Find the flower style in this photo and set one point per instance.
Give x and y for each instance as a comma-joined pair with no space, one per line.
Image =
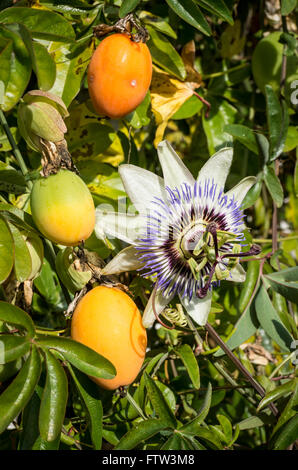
187,233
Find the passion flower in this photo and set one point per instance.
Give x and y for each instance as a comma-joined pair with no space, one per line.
187,235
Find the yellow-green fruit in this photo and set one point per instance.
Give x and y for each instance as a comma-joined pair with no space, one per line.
62,208
267,64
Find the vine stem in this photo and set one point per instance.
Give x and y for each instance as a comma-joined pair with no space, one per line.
224,72
259,389
15,148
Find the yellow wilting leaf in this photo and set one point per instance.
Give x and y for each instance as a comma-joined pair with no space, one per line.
168,94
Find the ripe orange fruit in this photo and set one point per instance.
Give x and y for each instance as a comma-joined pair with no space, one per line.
62,208
109,322
119,75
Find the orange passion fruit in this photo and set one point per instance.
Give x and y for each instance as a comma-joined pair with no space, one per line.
108,321
62,208
119,75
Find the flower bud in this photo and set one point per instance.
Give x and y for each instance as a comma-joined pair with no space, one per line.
40,116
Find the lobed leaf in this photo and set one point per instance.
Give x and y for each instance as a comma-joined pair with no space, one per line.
139,433
159,403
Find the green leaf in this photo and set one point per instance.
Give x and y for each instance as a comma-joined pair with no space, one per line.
189,360
12,347
276,393
252,195
19,68
139,433
219,8
193,427
14,315
168,395
46,283
159,403
158,23
54,399
285,283
71,63
173,443
11,181
30,422
245,327
44,67
6,251
209,436
292,139
165,55
244,135
43,24
90,140
140,117
22,257
287,6
89,393
18,393
286,435
189,108
289,411
270,321
226,427
10,369
18,217
190,12
278,122
149,368
81,356
41,444
273,185
127,6
263,146
221,113
253,422
6,47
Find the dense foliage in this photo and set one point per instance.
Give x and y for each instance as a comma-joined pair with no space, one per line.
225,74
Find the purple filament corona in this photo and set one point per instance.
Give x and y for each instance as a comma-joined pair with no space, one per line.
186,211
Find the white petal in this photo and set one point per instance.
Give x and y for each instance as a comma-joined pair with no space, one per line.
174,171
141,185
160,303
239,191
198,309
217,167
125,260
126,227
237,274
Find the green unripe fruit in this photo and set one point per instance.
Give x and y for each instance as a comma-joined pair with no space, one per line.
62,208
